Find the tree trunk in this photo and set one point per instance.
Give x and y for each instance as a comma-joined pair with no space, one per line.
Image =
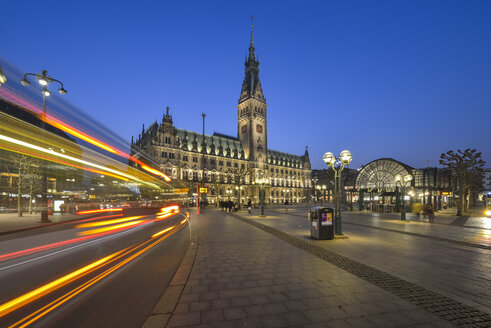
30,198
19,195
460,204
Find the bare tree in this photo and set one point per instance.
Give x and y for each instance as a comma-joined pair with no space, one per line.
29,178
216,183
466,165
239,178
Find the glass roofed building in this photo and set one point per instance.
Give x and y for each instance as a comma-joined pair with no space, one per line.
230,165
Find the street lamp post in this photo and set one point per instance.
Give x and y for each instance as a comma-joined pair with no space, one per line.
202,166
337,164
262,185
403,181
44,79
324,188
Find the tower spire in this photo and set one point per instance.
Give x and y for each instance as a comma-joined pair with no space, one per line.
252,40
251,47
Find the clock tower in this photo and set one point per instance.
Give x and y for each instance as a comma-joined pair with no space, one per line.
252,128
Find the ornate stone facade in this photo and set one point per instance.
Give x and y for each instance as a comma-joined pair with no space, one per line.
228,165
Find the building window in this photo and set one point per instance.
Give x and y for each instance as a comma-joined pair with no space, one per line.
236,164
185,175
242,166
195,175
229,164
167,140
220,163
171,155
195,159
185,158
213,162
164,154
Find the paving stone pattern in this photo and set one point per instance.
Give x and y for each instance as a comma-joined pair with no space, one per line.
459,314
453,241
245,277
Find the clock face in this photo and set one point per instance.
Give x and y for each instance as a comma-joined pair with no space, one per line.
244,128
259,128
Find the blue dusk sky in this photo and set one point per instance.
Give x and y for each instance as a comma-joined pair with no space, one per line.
401,79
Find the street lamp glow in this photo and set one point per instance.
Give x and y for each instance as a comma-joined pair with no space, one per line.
24,82
345,157
328,158
3,78
43,81
46,93
62,91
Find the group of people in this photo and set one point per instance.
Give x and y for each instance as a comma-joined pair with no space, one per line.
227,205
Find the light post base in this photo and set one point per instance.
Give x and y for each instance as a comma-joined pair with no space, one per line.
341,236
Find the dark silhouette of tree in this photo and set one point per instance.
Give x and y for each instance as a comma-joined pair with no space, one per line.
239,178
467,167
29,178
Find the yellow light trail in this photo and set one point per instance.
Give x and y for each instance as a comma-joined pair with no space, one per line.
162,232
63,299
114,227
41,291
107,222
58,154
100,211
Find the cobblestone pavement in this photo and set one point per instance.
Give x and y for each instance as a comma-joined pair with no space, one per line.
247,274
433,256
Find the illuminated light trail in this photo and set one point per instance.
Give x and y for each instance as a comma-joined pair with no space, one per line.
166,212
42,248
56,160
52,152
69,295
43,290
162,232
98,218
33,250
173,208
107,222
75,132
113,228
156,172
100,211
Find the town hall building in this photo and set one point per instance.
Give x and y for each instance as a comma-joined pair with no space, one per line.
230,167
